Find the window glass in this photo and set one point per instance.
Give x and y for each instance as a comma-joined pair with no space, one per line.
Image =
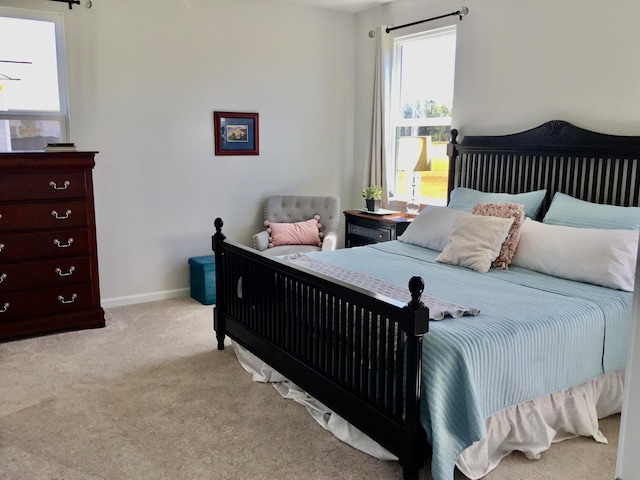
33,89
422,104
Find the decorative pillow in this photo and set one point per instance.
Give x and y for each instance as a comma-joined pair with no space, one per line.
572,212
475,241
431,227
600,256
465,198
504,210
298,233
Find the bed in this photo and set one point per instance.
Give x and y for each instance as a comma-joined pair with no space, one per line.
426,383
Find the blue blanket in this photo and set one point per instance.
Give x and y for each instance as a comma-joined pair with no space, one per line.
535,335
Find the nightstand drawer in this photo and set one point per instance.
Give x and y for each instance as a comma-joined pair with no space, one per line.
377,234
364,229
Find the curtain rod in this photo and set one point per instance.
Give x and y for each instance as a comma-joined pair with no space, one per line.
74,2
461,13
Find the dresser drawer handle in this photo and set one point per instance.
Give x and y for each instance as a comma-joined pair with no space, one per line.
55,186
71,270
5,308
62,245
63,300
58,217
2,277
1,246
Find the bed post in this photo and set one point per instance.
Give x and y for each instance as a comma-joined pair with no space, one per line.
414,452
219,324
452,153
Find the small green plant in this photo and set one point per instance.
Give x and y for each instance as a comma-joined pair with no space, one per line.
372,192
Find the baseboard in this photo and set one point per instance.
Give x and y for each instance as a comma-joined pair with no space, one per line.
144,298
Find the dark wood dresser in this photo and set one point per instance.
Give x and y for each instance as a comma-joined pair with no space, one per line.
48,255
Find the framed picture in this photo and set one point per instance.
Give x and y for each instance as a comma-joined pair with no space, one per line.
235,133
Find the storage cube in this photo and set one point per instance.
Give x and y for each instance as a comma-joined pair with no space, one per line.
203,279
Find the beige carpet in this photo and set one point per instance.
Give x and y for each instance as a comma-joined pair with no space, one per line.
149,397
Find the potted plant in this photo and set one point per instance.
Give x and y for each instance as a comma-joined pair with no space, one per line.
373,196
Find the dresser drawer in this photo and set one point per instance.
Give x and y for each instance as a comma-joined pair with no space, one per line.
30,246
40,186
377,234
48,273
45,302
43,215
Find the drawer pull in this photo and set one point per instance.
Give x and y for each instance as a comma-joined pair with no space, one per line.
5,308
55,186
63,300
62,245
2,277
58,217
1,246
71,270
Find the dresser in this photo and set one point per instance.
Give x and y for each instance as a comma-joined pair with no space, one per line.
48,255
365,228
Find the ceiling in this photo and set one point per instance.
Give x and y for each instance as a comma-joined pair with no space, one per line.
342,5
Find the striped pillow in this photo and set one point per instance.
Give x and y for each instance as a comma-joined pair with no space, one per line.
462,198
572,212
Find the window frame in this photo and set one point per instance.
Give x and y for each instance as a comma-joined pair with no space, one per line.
395,120
62,115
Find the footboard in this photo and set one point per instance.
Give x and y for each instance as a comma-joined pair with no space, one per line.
357,352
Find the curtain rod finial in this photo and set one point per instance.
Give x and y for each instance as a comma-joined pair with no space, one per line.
463,11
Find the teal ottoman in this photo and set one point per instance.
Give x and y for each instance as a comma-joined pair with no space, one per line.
203,279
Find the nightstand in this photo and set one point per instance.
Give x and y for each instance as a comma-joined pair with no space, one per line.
365,228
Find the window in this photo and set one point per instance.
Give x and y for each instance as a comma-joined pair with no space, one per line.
421,108
33,86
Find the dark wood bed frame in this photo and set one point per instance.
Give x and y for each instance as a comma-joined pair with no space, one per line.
359,352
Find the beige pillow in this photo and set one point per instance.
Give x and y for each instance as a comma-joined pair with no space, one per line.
510,244
475,241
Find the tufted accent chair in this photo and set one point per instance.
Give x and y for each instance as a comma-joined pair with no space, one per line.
298,208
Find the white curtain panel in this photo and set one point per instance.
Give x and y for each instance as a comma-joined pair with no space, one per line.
376,173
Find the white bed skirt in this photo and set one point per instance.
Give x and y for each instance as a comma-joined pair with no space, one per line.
530,427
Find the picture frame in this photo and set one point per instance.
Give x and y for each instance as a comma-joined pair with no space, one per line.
236,133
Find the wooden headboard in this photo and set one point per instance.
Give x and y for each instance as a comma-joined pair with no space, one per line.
555,156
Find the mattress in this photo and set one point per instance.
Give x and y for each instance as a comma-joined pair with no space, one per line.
535,335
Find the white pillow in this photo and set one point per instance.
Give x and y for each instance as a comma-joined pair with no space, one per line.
475,241
599,256
432,227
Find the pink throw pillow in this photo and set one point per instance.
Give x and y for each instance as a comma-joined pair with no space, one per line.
509,246
298,233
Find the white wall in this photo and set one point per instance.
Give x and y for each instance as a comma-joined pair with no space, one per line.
145,77
519,66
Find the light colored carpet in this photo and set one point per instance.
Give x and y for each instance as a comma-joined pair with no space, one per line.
149,397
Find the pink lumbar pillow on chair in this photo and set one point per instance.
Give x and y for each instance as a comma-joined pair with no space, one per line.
298,233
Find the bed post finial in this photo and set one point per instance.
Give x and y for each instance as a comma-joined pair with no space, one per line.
452,153
416,287
419,311
218,236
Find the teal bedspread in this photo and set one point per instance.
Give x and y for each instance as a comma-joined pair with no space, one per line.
535,335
